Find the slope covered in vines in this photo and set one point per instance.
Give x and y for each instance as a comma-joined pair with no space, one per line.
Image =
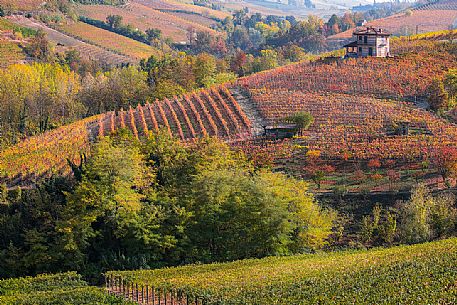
212,112
398,275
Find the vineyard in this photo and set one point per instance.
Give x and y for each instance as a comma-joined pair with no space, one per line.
212,112
176,5
86,50
398,275
64,288
23,5
10,53
421,21
363,128
46,154
439,5
405,76
108,40
144,17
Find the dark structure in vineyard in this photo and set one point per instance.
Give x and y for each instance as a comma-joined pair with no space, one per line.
369,42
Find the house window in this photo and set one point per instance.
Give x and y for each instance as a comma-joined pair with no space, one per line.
360,37
360,49
365,39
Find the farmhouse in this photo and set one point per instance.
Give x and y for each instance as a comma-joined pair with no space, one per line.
369,42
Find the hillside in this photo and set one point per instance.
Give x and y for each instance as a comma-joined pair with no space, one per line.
433,18
86,50
53,289
357,106
329,91
398,275
22,5
11,46
174,6
214,113
145,16
108,40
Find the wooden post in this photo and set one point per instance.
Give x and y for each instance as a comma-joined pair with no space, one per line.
122,286
137,292
147,294
153,295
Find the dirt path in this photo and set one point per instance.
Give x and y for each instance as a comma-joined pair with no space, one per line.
250,109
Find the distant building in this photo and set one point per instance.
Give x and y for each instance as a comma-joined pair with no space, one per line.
361,22
369,42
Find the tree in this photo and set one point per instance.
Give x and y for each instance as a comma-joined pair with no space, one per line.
205,69
425,216
114,21
302,120
40,48
154,36
268,59
437,95
450,83
445,160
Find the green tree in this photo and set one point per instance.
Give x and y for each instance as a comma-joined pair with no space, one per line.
114,21
450,83
205,69
437,95
40,48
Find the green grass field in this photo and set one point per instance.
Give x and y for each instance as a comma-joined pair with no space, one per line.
419,274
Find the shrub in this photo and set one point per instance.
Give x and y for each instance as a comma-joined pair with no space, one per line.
425,217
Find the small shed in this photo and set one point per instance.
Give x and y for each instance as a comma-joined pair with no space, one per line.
280,131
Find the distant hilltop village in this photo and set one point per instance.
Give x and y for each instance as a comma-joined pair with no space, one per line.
369,42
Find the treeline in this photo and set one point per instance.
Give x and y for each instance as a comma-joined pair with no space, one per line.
425,217
156,204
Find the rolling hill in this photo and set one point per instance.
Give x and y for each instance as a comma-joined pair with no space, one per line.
173,23
22,5
357,105
441,15
86,50
108,40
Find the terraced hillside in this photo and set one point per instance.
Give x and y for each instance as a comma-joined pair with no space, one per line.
146,15
206,113
86,50
398,275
